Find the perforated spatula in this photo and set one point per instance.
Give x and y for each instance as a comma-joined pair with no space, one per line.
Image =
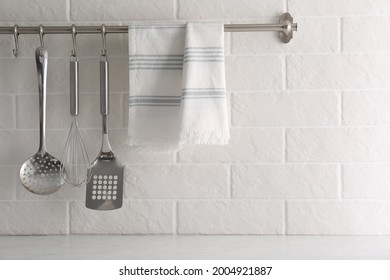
105,189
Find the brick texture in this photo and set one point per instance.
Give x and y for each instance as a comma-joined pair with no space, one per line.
226,217
310,137
338,217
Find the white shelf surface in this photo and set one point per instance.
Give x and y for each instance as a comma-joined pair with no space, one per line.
194,247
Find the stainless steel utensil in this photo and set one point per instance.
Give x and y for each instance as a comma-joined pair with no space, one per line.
41,173
105,189
76,170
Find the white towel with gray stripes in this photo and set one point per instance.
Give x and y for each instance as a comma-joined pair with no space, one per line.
177,91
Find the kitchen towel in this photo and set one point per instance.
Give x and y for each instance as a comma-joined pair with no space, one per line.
177,90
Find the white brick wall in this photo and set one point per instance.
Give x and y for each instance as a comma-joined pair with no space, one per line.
177,181
371,38
310,145
121,10
254,73
205,9
230,217
135,217
346,71
339,7
370,181
288,108
33,217
338,217
338,144
284,181
366,108
246,145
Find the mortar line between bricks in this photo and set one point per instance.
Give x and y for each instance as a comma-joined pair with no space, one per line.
259,91
250,163
227,54
346,53
285,217
284,146
263,91
230,182
338,16
374,200
176,6
63,57
341,35
69,217
235,127
341,106
176,159
176,218
17,125
284,73
68,4
262,199
340,181
229,49
15,113
327,126
285,151
230,109
275,163
56,93
16,169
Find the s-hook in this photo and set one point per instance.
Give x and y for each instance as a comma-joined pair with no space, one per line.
103,31
16,35
74,50
41,33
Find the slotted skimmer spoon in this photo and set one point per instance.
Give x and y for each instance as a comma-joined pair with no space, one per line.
41,173
105,188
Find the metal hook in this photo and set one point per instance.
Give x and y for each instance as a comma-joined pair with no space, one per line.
104,49
41,33
74,50
16,35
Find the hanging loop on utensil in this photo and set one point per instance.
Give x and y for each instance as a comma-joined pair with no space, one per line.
103,31
16,38
74,50
41,34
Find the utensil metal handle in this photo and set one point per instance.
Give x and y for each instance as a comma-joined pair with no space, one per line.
105,151
104,103
74,86
41,59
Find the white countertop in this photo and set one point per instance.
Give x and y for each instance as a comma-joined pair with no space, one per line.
194,247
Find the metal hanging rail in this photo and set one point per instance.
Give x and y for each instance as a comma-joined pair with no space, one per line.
285,27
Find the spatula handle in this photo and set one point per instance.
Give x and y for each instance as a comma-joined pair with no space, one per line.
104,102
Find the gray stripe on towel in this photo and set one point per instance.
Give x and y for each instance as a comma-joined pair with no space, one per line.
203,60
155,102
204,48
156,68
157,55
157,64
204,89
162,105
154,96
156,59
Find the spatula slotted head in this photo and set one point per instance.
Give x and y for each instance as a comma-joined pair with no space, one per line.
105,189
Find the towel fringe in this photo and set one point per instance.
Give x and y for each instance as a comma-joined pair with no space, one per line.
205,137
